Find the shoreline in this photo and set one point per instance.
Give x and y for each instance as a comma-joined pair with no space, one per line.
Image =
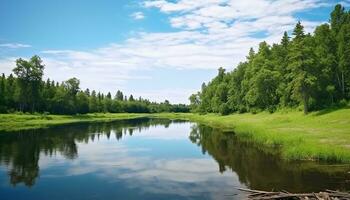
22,122
319,136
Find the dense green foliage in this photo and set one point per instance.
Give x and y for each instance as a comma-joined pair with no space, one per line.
312,71
27,92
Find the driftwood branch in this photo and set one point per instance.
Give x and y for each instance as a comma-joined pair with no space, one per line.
327,195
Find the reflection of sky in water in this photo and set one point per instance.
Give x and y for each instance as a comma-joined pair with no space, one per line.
156,163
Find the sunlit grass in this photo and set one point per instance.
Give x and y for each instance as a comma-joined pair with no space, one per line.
15,122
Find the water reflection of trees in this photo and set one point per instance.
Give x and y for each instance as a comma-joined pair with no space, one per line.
20,151
261,170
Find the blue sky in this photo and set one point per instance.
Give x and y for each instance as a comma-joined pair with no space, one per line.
159,49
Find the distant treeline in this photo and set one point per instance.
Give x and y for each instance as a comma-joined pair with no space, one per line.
311,71
27,92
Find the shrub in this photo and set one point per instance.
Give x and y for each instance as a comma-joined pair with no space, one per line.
271,109
242,109
45,115
343,103
224,110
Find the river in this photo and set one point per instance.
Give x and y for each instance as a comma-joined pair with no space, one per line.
149,159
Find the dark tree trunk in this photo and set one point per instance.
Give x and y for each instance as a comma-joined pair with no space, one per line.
343,84
338,80
33,108
332,99
305,102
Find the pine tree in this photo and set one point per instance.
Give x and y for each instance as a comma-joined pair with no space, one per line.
302,63
3,107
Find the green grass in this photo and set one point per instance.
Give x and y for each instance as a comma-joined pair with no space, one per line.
16,122
323,135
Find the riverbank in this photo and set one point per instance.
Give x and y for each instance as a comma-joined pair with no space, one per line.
17,122
323,135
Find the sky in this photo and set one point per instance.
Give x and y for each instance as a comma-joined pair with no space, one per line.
157,49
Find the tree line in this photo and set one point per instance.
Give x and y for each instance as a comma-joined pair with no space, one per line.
310,71
25,91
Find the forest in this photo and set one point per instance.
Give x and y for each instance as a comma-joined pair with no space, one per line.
306,71
27,92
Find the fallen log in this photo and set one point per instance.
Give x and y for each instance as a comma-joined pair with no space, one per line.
283,195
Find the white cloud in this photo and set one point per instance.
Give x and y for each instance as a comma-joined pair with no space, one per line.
345,3
14,45
6,65
138,15
182,5
208,34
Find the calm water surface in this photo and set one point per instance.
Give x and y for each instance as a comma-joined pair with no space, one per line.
148,159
